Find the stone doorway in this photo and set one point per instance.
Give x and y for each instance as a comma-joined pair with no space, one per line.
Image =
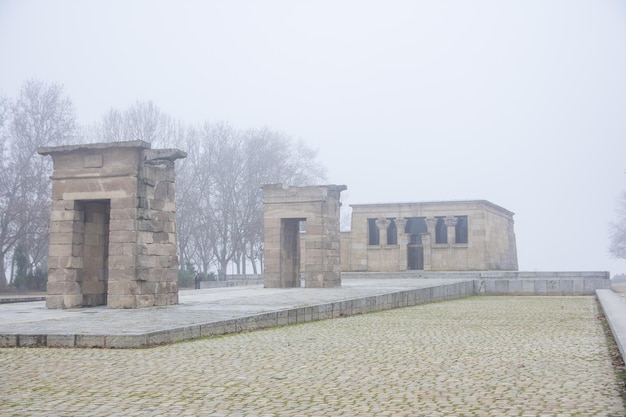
290,252
93,233
415,257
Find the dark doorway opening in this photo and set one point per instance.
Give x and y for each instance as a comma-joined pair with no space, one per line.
415,257
415,228
290,251
91,242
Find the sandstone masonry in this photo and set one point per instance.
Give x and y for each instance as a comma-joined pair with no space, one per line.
430,236
112,226
286,209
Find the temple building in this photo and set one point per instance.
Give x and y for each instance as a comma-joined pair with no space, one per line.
431,236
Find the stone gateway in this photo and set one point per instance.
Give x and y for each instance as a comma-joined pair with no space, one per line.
112,226
288,212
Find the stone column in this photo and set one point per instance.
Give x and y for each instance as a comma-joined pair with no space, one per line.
451,222
382,224
401,228
427,240
431,224
403,241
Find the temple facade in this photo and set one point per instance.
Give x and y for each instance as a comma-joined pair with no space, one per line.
430,236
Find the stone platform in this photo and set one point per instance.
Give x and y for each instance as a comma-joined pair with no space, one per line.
211,312
217,311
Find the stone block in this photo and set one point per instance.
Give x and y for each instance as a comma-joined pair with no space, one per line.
567,286
212,329
230,326
124,225
528,286
60,250
121,300
90,341
122,289
134,341
8,340
292,316
165,337
501,286
32,340
146,261
515,286
553,286
124,214
122,261
124,203
541,286
122,273
62,226
192,332
282,318
62,216
122,236
61,341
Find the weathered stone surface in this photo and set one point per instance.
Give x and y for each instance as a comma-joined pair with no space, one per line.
113,226
431,236
288,252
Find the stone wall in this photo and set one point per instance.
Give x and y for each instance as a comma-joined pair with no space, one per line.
511,282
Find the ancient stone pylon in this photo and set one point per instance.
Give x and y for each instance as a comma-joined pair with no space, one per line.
112,226
285,208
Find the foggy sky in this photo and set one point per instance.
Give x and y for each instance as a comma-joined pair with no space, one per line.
521,103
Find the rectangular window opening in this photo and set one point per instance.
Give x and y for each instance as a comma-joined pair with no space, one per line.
461,229
441,231
372,232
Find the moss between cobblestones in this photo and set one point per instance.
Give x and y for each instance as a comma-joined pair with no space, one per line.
616,356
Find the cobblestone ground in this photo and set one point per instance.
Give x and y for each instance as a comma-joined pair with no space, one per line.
481,356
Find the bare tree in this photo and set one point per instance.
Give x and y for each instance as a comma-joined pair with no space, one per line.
142,121
40,116
617,246
218,195
271,157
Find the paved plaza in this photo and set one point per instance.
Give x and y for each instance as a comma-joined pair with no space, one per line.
477,356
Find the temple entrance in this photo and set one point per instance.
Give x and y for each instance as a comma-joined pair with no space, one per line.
92,230
415,257
415,228
290,252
